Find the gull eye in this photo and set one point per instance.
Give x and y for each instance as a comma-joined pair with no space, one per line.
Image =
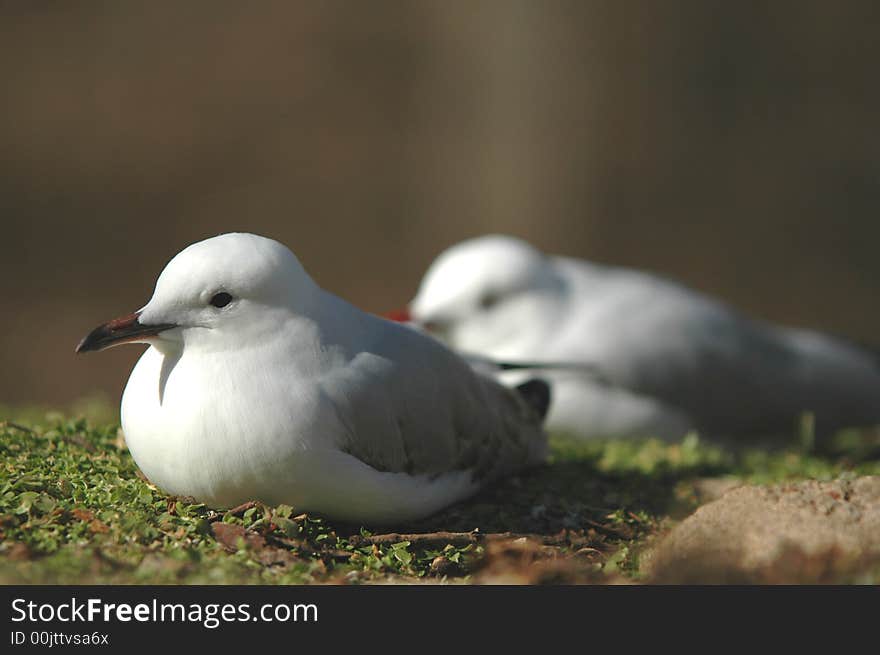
489,300
221,299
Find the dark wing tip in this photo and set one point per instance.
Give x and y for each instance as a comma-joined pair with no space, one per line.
536,393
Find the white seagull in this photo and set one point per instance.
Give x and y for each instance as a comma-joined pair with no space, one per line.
629,353
260,385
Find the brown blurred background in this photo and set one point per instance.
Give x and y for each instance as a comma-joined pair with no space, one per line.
734,146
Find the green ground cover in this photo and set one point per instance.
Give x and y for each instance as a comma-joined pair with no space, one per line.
74,509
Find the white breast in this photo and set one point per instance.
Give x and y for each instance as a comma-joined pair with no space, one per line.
195,430
225,442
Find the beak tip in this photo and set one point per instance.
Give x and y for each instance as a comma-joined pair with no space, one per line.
93,340
86,344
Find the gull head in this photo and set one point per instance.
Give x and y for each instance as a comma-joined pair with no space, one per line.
479,292
214,294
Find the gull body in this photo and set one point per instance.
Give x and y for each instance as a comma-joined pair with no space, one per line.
659,358
288,394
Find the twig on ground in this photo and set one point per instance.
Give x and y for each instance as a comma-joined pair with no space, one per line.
239,510
16,426
440,539
457,539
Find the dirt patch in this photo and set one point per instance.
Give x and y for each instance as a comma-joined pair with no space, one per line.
528,560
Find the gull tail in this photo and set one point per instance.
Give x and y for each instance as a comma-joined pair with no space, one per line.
871,350
536,393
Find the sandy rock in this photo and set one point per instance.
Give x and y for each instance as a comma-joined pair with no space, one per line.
805,532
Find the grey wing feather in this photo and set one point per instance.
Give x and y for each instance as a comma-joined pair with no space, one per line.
737,375
422,409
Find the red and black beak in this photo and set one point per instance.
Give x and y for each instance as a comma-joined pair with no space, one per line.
120,330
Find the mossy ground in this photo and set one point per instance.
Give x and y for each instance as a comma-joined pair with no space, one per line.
74,509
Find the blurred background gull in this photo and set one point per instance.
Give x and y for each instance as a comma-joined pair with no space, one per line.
733,146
